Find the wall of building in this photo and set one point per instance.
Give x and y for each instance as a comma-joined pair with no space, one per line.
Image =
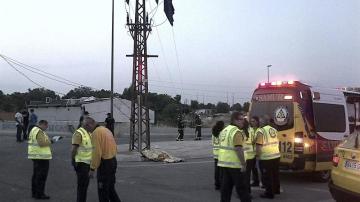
122,110
52,114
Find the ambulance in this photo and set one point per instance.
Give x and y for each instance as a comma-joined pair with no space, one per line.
311,122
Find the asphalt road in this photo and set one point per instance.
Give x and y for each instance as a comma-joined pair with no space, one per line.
136,181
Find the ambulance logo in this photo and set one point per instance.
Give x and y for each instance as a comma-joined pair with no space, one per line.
281,116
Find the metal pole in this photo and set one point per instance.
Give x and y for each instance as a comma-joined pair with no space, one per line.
268,72
112,64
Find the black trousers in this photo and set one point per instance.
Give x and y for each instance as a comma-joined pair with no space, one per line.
250,165
40,173
25,134
255,173
106,180
19,130
271,181
198,131
82,172
181,134
234,177
218,175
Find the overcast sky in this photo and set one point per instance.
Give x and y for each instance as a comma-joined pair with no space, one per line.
223,46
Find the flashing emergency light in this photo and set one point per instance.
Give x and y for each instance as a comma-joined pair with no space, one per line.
277,84
290,82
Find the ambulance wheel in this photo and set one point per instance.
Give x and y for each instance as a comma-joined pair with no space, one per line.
323,176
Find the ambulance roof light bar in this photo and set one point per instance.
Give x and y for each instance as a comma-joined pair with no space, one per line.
277,84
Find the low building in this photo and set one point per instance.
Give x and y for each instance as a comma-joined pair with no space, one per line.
70,110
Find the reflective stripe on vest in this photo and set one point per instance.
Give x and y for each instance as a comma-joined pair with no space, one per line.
34,150
270,148
227,153
216,145
84,152
249,147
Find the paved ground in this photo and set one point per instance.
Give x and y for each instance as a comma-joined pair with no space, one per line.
139,181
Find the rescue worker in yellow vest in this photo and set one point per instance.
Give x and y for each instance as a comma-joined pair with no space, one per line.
232,160
254,125
103,159
40,153
267,150
81,157
249,149
217,128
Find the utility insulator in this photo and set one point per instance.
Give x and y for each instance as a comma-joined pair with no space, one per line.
127,18
147,17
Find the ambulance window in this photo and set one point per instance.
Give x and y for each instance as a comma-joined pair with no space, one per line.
329,117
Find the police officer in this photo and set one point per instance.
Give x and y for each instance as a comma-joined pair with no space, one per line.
267,149
218,127
232,161
81,157
181,126
198,125
40,153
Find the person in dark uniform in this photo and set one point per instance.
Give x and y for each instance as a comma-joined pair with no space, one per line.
197,127
181,126
110,123
25,114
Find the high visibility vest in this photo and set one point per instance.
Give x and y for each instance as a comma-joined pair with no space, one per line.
34,150
84,152
216,144
249,147
270,148
227,153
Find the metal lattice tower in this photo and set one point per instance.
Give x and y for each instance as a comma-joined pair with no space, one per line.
139,120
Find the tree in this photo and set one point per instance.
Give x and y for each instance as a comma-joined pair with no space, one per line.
222,107
79,93
194,104
246,106
236,107
177,99
39,94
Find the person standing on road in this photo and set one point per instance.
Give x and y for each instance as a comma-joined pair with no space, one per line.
218,127
81,155
198,125
267,149
19,126
181,126
254,125
103,159
40,153
249,151
33,120
25,114
232,160
110,123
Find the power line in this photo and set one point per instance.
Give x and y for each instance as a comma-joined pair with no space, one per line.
177,57
28,78
25,66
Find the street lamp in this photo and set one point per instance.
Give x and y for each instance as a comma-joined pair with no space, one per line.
268,72
112,63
